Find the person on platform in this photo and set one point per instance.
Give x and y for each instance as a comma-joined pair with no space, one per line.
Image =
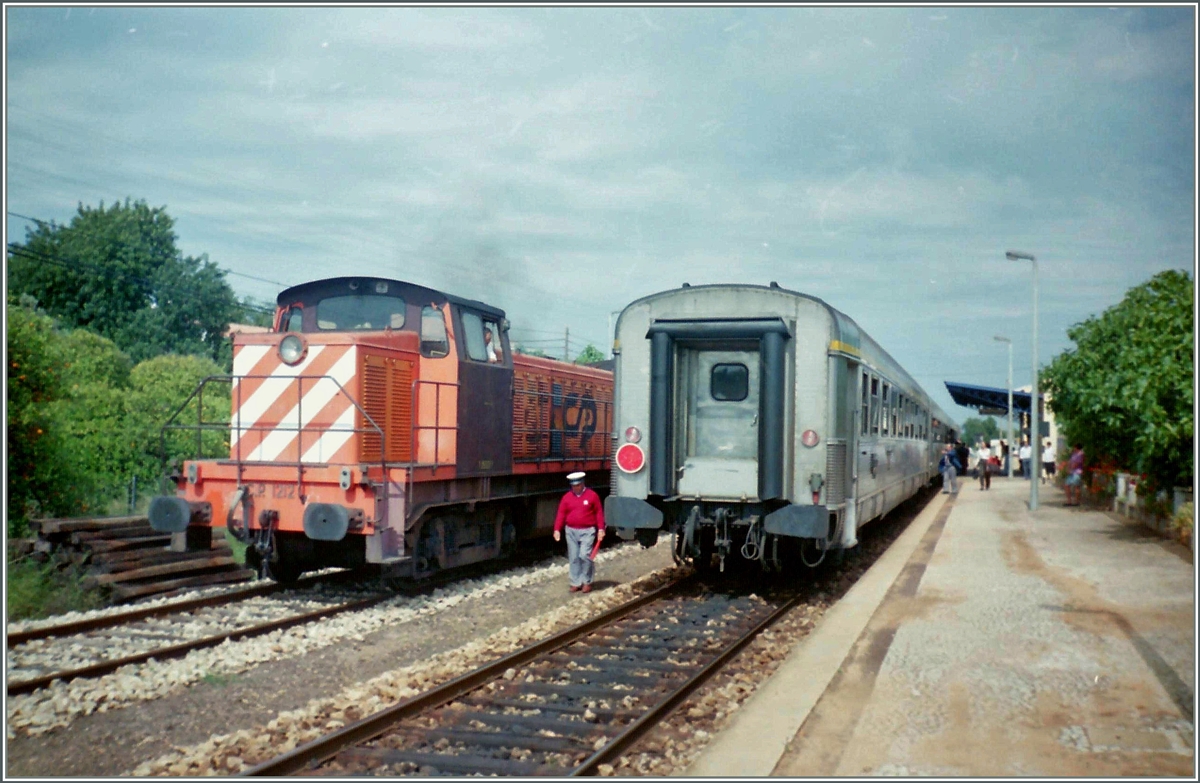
949,466
1047,462
1025,454
582,515
985,466
1073,484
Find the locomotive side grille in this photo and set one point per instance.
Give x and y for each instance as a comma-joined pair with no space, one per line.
374,403
387,399
399,430
835,474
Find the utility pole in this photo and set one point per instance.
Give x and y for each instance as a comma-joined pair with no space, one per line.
567,345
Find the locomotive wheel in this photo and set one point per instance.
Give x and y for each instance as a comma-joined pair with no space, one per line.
283,570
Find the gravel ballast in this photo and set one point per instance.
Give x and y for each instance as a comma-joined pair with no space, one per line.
110,725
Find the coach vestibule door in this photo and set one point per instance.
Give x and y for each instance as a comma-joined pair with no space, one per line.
718,455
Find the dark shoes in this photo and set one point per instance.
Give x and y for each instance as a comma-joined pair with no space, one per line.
587,588
574,588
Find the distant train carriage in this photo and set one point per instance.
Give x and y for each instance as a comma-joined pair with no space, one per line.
759,423
381,422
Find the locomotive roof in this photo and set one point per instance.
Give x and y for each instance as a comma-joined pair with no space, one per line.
306,290
843,323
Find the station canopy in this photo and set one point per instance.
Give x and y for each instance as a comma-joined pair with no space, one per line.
991,401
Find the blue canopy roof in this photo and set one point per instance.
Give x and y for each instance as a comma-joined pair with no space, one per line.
988,397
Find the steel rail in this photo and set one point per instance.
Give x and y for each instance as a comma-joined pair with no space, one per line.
660,711
179,650
313,753
108,621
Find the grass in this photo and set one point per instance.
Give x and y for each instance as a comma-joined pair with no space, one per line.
239,549
218,680
37,590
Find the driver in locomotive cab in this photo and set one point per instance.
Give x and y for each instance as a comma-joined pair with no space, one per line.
582,514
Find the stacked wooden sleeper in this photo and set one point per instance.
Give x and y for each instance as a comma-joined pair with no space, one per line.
132,559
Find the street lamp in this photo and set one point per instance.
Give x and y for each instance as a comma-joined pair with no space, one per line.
1035,435
1008,461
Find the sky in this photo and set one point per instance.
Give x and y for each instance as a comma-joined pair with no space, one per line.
561,162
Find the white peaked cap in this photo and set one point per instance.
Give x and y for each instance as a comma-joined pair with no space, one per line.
576,476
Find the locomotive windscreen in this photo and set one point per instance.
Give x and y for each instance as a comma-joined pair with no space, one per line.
361,312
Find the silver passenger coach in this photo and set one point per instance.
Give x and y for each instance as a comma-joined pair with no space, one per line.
760,423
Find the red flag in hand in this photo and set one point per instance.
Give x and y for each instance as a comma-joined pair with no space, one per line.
596,548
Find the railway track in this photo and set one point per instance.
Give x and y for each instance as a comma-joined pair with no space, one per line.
564,705
67,651
99,646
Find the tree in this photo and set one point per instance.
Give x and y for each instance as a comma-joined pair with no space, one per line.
117,272
1125,390
980,429
590,355
40,466
83,420
157,389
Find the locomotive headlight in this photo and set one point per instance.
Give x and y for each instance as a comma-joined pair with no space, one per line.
292,349
633,435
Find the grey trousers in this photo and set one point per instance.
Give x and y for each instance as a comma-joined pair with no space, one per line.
948,476
580,541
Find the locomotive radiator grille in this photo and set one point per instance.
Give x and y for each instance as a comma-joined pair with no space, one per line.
835,474
387,399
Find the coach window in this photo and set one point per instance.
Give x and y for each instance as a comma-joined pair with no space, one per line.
874,405
866,405
729,382
887,409
473,329
434,341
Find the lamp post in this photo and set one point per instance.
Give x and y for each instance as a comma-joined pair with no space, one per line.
1008,462
1035,435
612,336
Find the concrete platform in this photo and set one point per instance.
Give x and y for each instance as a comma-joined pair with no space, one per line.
989,642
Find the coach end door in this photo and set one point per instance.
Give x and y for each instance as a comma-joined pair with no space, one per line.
720,428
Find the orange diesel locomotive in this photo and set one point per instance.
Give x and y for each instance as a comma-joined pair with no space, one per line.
381,422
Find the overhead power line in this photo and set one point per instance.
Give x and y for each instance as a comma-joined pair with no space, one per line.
75,264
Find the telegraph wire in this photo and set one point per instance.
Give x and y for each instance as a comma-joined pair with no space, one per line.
226,271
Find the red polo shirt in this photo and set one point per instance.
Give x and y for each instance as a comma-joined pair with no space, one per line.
582,510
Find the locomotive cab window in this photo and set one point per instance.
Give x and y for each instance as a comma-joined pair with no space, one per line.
482,339
360,313
293,320
434,342
729,382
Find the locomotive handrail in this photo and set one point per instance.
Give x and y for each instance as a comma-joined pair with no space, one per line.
437,425
235,422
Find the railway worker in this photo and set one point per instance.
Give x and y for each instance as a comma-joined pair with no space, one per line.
582,514
490,347
949,466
